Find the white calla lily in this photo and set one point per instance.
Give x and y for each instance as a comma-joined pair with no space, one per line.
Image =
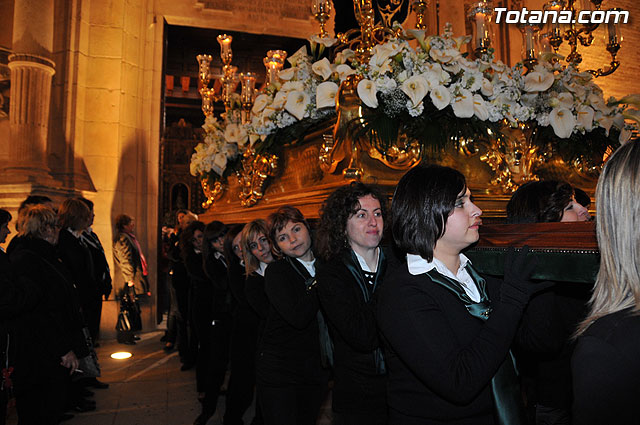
480,108
260,103
538,81
344,56
562,121
416,88
344,71
322,68
604,121
279,100
326,94
235,133
219,163
298,56
440,97
367,91
288,74
585,117
463,104
487,88
297,102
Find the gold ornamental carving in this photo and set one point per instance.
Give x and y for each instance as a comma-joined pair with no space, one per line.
253,175
211,192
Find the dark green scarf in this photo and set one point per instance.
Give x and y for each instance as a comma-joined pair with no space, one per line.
504,384
353,265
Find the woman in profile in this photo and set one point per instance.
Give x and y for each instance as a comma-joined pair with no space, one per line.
546,377
449,329
349,278
606,360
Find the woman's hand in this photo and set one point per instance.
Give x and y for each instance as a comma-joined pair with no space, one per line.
518,287
70,361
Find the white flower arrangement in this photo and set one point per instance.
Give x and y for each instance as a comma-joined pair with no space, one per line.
407,84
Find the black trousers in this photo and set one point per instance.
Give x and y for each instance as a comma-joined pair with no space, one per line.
293,405
42,402
216,363
244,336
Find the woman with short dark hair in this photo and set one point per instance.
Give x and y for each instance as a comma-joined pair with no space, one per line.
545,201
349,275
449,329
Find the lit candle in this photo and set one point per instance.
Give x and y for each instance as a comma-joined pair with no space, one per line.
225,48
613,30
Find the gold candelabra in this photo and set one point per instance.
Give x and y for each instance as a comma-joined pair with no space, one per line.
228,80
322,11
578,34
273,63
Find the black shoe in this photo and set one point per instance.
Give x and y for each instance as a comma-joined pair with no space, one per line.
87,393
96,344
127,342
203,418
84,406
94,383
65,417
187,366
168,347
164,338
136,338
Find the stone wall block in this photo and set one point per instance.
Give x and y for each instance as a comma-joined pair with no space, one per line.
108,12
101,139
104,73
102,105
105,41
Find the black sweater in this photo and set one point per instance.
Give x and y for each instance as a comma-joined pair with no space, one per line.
440,358
290,346
359,384
606,371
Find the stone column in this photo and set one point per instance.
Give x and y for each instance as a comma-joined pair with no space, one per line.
31,75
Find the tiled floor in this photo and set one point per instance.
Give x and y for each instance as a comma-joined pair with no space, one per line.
148,389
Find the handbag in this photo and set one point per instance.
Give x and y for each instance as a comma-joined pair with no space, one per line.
88,365
129,319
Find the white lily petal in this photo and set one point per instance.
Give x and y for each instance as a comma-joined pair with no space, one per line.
562,121
287,74
279,100
344,71
463,104
326,94
416,88
297,102
440,97
367,92
480,108
538,81
585,117
260,103
322,68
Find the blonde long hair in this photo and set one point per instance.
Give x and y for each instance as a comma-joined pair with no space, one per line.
249,233
618,223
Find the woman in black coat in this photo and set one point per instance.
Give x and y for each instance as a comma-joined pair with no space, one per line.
74,217
349,278
448,329
49,341
212,315
244,336
295,342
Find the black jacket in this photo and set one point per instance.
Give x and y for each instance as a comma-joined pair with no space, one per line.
290,344
606,367
55,326
440,358
360,380
77,258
